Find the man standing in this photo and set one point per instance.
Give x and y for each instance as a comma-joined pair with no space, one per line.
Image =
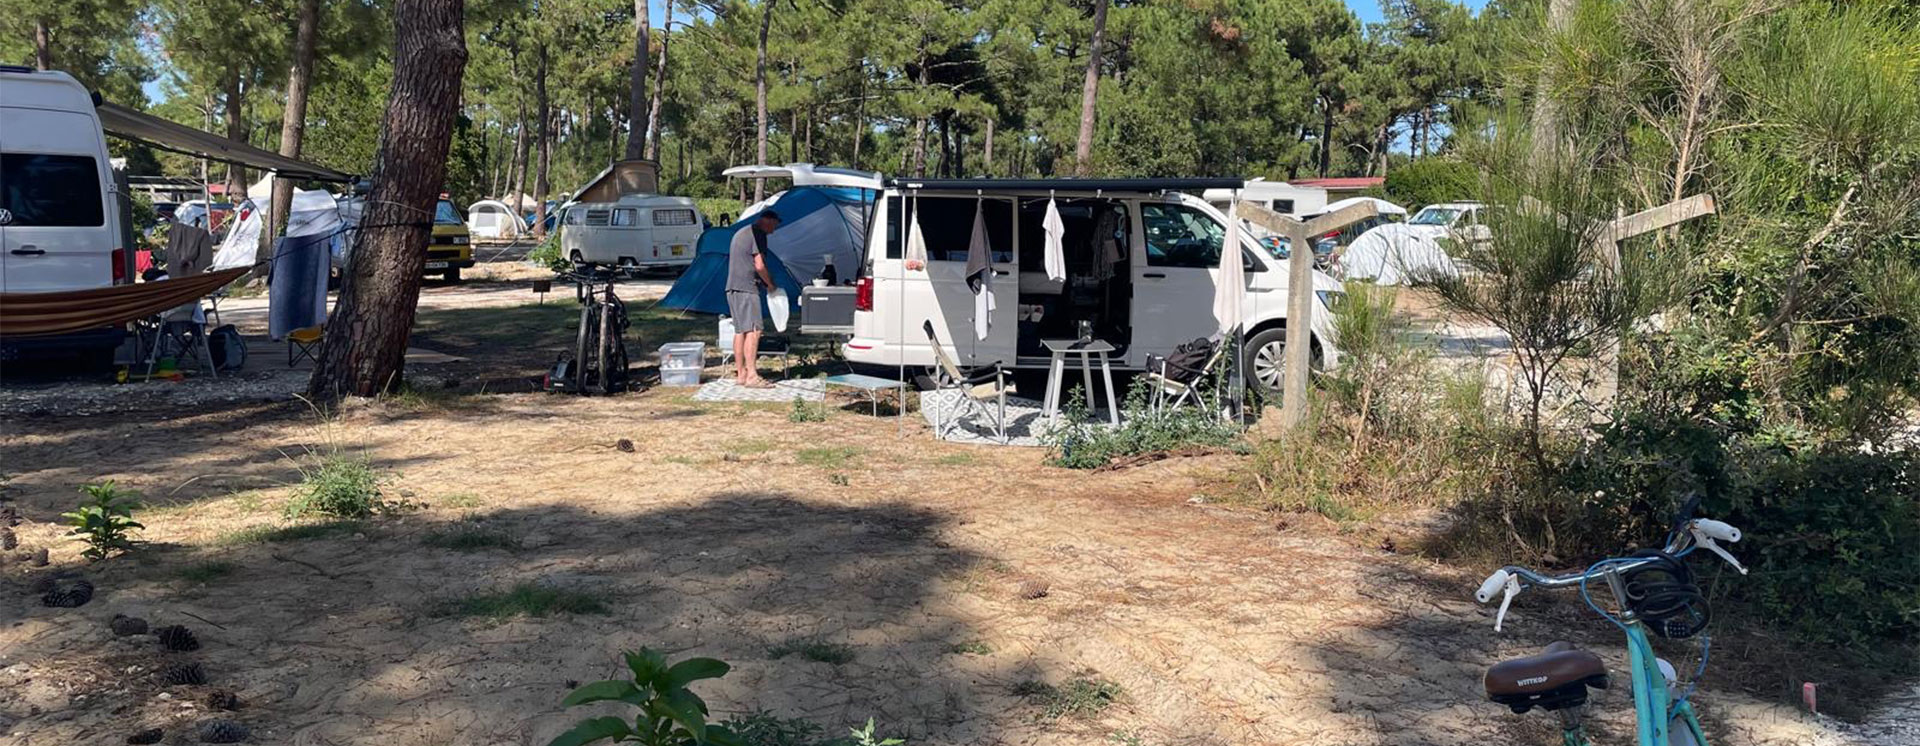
746,276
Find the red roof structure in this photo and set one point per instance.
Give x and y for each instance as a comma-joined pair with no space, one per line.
1341,183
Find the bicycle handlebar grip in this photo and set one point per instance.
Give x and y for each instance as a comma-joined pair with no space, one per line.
1492,585
1717,530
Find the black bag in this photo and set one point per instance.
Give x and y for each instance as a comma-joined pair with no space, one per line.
1185,362
228,350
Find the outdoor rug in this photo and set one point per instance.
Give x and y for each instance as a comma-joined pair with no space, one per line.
783,391
1026,419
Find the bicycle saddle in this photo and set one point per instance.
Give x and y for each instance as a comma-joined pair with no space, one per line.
1553,680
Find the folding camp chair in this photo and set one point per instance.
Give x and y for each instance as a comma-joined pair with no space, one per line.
1175,382
304,344
948,376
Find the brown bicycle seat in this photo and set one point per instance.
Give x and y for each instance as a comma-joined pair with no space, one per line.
1551,680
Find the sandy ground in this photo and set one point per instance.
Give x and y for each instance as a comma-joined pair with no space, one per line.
729,530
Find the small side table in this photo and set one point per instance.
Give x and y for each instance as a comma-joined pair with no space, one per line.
872,385
1061,349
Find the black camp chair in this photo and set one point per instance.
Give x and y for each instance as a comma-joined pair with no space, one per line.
949,376
1183,374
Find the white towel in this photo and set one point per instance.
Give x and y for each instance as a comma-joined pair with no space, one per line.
916,242
1056,260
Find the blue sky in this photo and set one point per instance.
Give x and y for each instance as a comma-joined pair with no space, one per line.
1369,10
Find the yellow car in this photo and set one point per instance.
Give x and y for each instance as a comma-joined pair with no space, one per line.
451,248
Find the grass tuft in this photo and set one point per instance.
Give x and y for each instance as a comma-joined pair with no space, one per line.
337,484
829,457
472,539
813,649
525,599
969,647
1081,698
294,532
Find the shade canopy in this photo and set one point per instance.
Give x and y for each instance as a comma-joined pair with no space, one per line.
126,123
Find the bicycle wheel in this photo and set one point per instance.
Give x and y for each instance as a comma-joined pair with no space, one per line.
586,346
603,351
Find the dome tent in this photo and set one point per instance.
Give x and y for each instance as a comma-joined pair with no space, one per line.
816,224
491,218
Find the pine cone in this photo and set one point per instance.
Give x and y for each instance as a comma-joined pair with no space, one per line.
150,735
1032,589
72,596
177,638
9,516
222,731
184,674
125,626
7,539
221,699
40,557
625,446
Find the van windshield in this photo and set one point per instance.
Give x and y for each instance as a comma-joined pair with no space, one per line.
38,189
446,214
1435,216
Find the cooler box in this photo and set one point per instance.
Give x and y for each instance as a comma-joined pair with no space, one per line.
827,310
681,362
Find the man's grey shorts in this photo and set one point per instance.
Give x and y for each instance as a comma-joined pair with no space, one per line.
745,310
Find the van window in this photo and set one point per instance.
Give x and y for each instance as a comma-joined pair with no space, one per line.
947,224
623,217
446,214
573,216
599,216
1180,236
1282,206
1081,219
51,190
673,217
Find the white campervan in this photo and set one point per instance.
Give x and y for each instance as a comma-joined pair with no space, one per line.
1141,255
636,231
59,220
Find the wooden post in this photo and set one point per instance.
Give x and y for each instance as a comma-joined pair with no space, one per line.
1293,393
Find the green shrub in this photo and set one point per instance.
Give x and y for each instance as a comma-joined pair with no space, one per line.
105,521
548,255
338,485
1079,443
1432,180
804,412
1082,697
670,713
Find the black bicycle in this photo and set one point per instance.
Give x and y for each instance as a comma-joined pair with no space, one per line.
599,363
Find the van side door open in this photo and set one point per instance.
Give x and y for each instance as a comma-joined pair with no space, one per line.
1174,280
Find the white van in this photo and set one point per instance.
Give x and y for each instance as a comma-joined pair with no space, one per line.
59,219
637,231
1142,256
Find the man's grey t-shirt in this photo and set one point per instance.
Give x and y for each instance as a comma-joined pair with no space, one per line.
740,275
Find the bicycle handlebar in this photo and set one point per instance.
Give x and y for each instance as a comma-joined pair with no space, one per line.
1512,579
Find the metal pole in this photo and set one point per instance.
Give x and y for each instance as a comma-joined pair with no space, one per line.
1293,385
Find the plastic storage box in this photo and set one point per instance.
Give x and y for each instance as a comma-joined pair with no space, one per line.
681,362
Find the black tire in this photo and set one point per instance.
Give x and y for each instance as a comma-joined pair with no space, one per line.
603,351
1263,362
452,275
585,345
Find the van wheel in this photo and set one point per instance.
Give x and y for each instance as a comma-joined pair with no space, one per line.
452,275
1265,361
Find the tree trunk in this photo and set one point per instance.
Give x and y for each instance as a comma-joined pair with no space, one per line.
517,185
42,45
1326,138
793,135
543,109
293,118
760,96
860,116
659,88
919,151
638,112
986,155
1090,92
366,339
237,131
1546,111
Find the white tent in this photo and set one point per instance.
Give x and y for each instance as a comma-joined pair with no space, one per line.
1392,254
490,218
1379,205
313,213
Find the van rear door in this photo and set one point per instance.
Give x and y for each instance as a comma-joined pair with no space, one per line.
54,189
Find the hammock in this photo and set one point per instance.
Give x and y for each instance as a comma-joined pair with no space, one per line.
39,314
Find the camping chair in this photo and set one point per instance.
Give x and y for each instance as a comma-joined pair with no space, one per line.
1181,374
304,343
176,334
948,376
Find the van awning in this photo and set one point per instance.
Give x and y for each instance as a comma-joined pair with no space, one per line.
1072,185
126,123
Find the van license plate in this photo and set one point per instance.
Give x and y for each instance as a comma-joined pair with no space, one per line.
436,265
678,250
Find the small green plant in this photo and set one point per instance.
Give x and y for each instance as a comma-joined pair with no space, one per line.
525,599
207,572
766,729
670,713
838,480
338,485
865,737
813,649
462,500
1079,443
969,647
829,457
105,521
1082,697
804,412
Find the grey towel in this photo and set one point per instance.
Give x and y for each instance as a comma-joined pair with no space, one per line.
189,250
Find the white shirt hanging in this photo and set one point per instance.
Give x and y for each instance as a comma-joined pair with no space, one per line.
916,241
1055,229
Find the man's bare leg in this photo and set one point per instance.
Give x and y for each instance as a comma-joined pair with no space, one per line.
742,359
749,355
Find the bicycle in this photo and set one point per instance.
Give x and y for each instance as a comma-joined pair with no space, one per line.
600,348
1654,591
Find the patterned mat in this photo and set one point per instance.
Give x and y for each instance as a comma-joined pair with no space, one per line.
1026,419
783,391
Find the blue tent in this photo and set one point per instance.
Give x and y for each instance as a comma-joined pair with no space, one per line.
816,223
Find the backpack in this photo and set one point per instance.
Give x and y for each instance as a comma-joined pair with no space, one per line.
1185,362
228,350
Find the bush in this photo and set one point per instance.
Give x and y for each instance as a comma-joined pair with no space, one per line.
337,485
1432,180
1078,443
105,522
547,254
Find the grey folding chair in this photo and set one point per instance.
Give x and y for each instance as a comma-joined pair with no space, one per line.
948,376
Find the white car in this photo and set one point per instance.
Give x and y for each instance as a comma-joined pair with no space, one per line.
59,219
1141,257
1436,221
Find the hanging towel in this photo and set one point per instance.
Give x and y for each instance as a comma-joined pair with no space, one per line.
1230,284
1056,260
916,241
980,272
189,250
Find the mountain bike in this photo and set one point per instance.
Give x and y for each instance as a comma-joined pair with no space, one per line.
1653,591
599,361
